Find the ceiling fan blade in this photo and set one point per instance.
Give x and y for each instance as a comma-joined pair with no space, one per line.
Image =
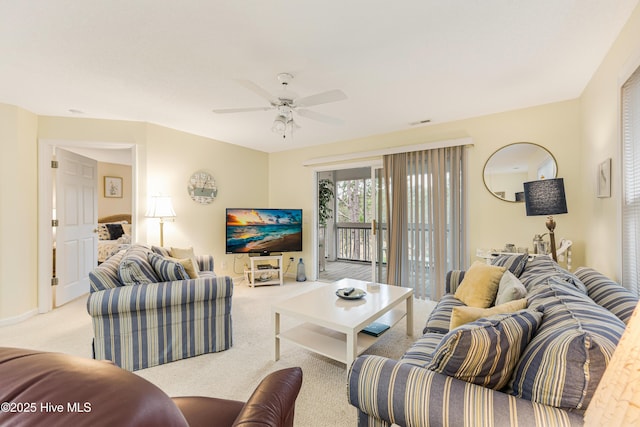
248,84
319,117
321,98
240,110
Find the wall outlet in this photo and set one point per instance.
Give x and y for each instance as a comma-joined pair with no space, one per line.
224,265
291,259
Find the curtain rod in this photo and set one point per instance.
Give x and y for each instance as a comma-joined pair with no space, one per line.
391,150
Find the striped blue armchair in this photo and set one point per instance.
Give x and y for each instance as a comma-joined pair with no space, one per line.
146,314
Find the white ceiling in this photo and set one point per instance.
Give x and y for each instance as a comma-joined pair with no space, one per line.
172,62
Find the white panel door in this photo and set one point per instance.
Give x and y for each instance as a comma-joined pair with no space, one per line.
76,209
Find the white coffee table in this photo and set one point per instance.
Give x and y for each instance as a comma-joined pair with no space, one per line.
332,325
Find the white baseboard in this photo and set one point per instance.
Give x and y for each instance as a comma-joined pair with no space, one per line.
17,319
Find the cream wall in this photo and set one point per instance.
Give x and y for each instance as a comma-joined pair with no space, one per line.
600,129
114,205
492,222
240,175
18,213
164,160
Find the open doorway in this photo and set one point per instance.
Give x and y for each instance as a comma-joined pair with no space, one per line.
51,258
350,225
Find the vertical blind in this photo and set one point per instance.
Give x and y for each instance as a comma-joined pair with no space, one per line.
426,214
631,182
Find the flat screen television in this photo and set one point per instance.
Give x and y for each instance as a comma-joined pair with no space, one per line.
263,231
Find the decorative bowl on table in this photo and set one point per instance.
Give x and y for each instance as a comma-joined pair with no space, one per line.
356,294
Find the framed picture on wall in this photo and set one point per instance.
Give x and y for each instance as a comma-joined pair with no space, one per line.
112,186
604,179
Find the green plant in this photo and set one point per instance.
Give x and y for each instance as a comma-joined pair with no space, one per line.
325,194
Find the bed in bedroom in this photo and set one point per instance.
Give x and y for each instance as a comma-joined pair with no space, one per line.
114,231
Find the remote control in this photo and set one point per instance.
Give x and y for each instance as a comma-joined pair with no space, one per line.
348,291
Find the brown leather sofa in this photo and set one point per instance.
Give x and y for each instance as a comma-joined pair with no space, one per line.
54,389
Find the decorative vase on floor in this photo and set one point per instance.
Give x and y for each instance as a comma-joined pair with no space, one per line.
301,277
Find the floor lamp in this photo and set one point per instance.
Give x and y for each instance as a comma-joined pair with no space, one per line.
161,207
546,197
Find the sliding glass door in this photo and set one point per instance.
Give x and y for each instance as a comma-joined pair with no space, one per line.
350,231
379,228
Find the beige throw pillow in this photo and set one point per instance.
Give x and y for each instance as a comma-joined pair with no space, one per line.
462,315
480,285
189,267
181,253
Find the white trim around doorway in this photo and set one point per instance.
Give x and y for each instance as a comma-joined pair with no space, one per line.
46,148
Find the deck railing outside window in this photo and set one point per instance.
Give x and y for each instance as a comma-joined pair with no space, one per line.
354,241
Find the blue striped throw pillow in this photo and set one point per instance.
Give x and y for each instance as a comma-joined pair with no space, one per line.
135,269
160,251
563,363
485,352
513,263
166,269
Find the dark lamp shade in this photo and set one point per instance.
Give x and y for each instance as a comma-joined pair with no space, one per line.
545,197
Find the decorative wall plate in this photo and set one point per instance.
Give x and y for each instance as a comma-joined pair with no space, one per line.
202,187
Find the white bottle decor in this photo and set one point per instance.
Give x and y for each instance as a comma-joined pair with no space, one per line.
301,277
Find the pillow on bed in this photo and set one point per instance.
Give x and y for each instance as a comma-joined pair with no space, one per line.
115,231
103,232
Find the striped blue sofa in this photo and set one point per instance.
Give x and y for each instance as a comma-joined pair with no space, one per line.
146,314
573,320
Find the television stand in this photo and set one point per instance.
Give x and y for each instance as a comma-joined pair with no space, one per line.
262,271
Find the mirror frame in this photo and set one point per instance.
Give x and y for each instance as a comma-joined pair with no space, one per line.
484,169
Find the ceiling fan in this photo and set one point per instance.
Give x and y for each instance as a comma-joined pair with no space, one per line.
287,102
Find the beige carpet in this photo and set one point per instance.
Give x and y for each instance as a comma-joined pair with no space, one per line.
231,374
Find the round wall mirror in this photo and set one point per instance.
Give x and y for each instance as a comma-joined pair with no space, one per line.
512,165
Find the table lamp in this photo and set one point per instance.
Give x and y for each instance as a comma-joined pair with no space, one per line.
160,207
546,197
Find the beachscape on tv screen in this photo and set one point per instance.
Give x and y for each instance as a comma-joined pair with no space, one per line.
263,230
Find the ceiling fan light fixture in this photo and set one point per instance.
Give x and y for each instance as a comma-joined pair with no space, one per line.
285,78
285,111
286,104
279,124
289,126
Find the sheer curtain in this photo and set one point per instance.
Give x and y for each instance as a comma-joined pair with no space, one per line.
427,216
631,182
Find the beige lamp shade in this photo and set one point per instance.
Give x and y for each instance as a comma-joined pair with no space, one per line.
160,207
616,401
